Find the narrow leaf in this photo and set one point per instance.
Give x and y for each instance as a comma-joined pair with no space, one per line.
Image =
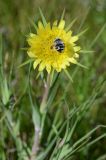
83,32
26,62
68,75
43,18
81,65
32,23
98,35
62,16
85,51
70,25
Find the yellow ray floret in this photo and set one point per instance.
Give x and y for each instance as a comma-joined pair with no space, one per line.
52,47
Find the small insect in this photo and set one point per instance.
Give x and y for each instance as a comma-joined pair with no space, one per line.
59,45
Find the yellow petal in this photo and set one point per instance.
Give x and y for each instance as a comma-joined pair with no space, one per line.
55,23
30,54
76,55
41,66
48,68
73,60
64,66
73,39
69,34
32,35
36,63
77,48
67,63
40,25
48,27
58,69
61,24
31,39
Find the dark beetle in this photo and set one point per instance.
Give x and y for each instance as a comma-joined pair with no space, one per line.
59,45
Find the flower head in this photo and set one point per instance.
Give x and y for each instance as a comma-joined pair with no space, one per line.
53,47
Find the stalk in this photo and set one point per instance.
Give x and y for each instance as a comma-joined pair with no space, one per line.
36,144
38,130
45,95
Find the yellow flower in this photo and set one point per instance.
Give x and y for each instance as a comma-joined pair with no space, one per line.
52,47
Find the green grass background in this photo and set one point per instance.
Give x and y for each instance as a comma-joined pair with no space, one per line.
88,88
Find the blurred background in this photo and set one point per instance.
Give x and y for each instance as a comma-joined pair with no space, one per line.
15,25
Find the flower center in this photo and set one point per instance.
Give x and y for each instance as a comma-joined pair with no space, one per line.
58,45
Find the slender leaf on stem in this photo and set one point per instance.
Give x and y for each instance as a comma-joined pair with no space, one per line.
62,16
70,25
98,35
68,75
43,18
25,63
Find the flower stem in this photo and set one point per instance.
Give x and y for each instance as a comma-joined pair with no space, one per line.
45,95
35,147
38,130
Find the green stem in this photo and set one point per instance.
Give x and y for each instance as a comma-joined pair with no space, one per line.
39,130
45,95
36,143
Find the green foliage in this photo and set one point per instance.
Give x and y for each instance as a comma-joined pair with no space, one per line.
74,124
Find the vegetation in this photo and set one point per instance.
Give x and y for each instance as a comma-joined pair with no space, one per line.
74,125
